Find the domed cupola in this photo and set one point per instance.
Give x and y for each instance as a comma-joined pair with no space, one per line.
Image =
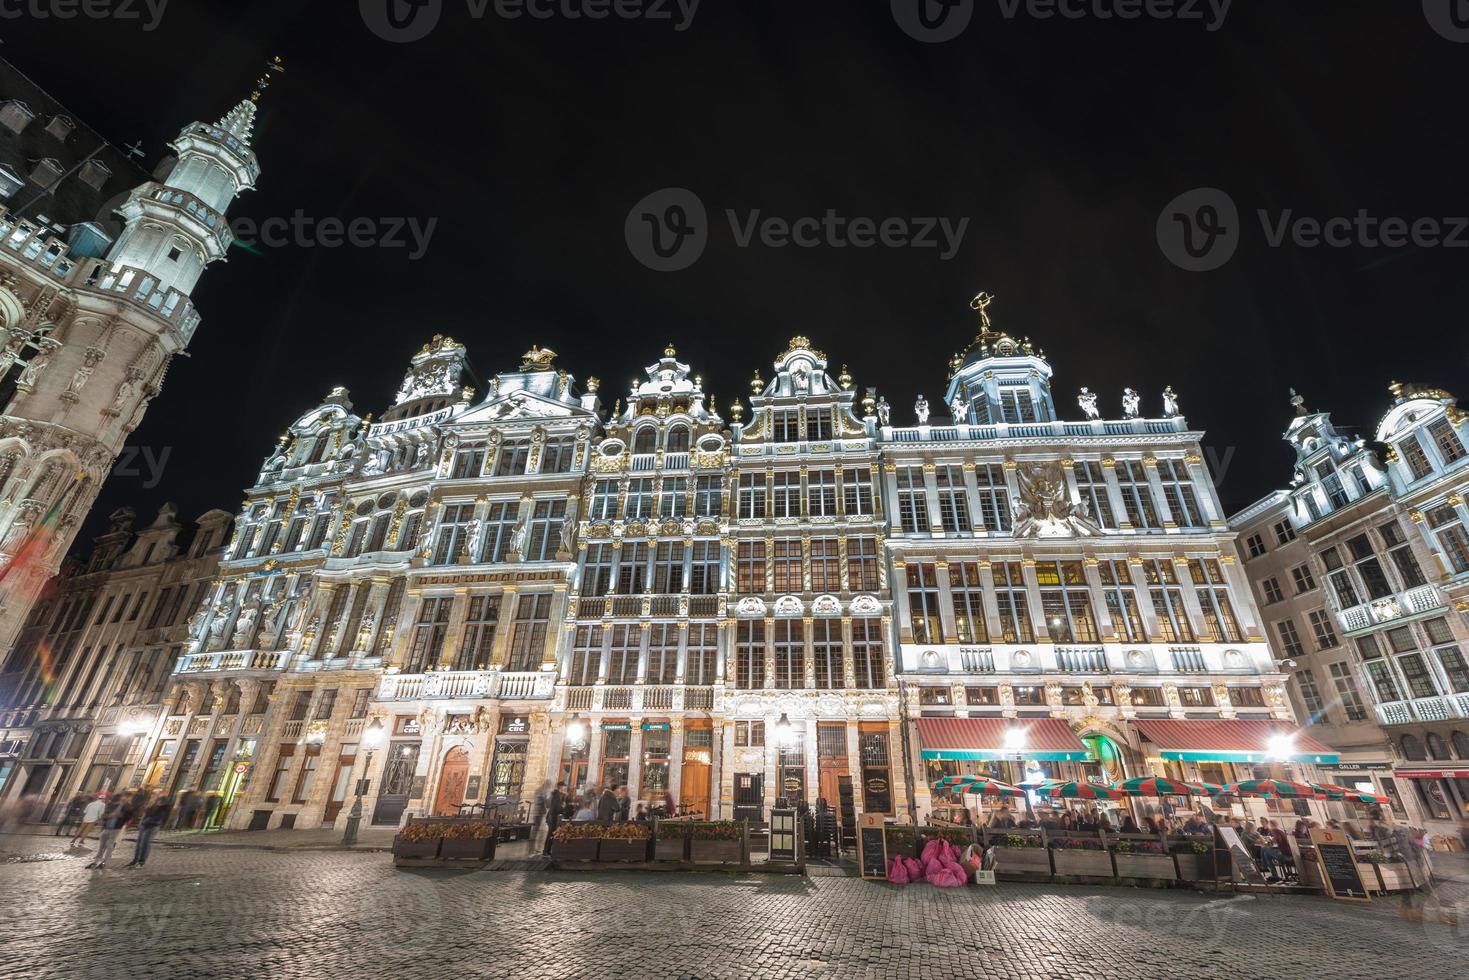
999,378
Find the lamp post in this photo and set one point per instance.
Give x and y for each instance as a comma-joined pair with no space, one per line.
372,738
1015,742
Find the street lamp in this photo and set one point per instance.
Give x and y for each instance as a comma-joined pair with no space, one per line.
1280,747
1014,744
576,730
785,732
372,739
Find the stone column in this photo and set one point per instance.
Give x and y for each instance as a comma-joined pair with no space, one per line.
504,626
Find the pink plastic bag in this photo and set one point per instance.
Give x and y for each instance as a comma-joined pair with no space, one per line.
931,851
898,872
915,870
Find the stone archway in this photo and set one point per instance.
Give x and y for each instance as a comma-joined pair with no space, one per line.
453,777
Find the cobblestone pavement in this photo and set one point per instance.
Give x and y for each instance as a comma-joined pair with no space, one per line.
211,911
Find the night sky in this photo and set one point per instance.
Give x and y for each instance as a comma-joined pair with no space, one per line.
1060,140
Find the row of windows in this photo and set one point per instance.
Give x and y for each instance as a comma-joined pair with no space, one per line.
1444,439
616,655
779,657
527,646
1066,602
1420,660
512,458
778,566
664,567
646,497
1144,697
817,493
1346,694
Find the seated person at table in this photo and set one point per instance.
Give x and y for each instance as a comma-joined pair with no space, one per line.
1129,825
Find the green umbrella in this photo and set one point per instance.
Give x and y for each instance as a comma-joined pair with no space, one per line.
1081,791
1333,792
1281,788
978,785
1161,786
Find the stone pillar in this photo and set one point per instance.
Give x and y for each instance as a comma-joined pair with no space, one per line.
504,626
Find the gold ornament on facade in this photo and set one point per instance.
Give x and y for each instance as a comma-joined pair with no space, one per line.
1193,459
756,385
1416,515
799,343
1109,461
1455,499
537,358
844,379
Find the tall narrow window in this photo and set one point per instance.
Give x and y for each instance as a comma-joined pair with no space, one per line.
1402,556
1452,540
749,672
453,533
912,500
752,496
701,658
1411,452
786,562
1178,491
862,564
1010,594
603,506
968,596
1450,446
1137,494
1093,487
1347,692
750,568
1323,630
673,498
428,635
867,662
826,566
545,530
528,642
826,654
668,567
1121,599
632,568
785,495
708,496
662,653
790,654
821,493
586,657
639,503
622,661
1369,567
704,568
818,424
953,499
1220,625
499,529
475,651
1066,602
469,462
923,603
857,491
1167,598
994,497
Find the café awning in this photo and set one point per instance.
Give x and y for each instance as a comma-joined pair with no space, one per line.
1232,740
990,738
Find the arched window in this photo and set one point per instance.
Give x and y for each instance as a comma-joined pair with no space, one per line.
678,439
1436,747
1412,747
318,448
1461,744
646,441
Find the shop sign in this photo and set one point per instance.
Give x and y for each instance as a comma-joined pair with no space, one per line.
471,788
656,726
616,726
241,768
1361,766
407,725
514,725
877,786
1432,773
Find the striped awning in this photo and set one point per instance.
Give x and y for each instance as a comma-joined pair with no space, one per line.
985,738
1231,740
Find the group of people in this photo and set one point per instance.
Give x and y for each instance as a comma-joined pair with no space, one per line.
1088,820
110,815
604,803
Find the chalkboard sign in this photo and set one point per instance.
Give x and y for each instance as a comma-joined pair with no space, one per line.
872,847
1339,866
1244,861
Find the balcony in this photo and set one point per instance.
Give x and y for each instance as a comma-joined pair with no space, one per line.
198,663
1188,660
1424,709
1423,599
977,661
467,685
1055,429
1081,660
637,698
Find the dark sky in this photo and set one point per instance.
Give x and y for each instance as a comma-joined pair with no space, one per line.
1060,140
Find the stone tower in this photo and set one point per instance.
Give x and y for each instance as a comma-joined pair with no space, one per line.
96,271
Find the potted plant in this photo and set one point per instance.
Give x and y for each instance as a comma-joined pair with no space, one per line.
468,842
672,843
419,840
716,842
576,842
1143,859
1086,856
625,842
1194,860
1019,854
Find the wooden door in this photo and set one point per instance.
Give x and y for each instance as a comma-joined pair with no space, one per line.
693,789
453,778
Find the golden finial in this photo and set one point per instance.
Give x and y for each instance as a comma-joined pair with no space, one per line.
669,351
711,406
756,385
538,358
1396,388
844,379
263,82
981,304
617,408
593,383
736,409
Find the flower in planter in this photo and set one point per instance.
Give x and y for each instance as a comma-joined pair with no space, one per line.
715,830
627,831
577,831
1139,847
1190,847
1018,840
1076,844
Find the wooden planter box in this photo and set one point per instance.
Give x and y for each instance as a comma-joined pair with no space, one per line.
669,849
1194,867
1131,864
1075,861
1022,860
623,850
714,851
1394,877
417,848
467,849
583,849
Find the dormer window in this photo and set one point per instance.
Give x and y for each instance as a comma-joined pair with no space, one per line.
174,253
1416,459
15,115
646,440
94,173
1016,405
60,127
678,439
1450,446
46,172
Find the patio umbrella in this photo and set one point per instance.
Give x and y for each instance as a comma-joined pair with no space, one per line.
978,785
1281,788
1332,792
1160,786
1081,791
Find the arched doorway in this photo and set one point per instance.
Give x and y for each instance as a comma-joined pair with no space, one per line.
452,779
